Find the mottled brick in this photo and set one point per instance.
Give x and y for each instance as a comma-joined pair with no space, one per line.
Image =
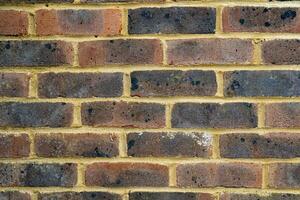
261,19
123,114
14,84
169,196
176,20
281,52
74,145
131,51
16,114
34,1
262,83
126,175
209,51
214,115
282,115
79,22
173,83
79,196
14,195
284,175
169,144
122,1
219,175
34,53
14,146
274,196
38,175
80,85
13,22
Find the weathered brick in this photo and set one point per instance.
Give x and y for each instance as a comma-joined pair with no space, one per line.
38,175
219,175
262,83
131,51
249,145
14,195
78,196
169,196
284,175
281,52
14,84
73,145
274,196
16,114
209,51
80,85
123,114
214,115
14,146
173,83
121,1
13,22
283,115
79,22
35,53
176,20
261,19
35,1
126,174
169,144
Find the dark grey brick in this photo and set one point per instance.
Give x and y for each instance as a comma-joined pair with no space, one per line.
79,196
228,196
169,196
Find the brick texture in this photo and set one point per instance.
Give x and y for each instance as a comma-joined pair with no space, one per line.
14,195
13,22
284,175
14,85
14,146
169,196
78,196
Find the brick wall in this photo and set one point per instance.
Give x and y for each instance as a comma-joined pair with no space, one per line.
149,99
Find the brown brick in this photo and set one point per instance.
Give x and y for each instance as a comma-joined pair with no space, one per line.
14,114
173,83
35,1
281,52
169,144
126,175
283,115
219,175
14,195
261,19
13,22
35,53
80,85
169,196
14,146
248,145
123,114
274,196
79,22
38,175
14,85
74,145
214,115
79,196
209,51
131,51
284,175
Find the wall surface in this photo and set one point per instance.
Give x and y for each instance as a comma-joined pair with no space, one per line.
149,100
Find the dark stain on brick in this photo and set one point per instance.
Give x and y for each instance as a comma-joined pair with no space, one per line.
134,83
289,14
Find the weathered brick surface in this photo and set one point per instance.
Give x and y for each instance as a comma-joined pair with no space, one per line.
131,51
219,175
35,53
176,20
122,1
13,22
78,196
14,146
74,145
284,175
14,114
78,22
169,196
14,84
209,51
214,115
173,83
169,144
38,175
274,196
126,174
80,85
261,19
123,114
35,1
283,115
14,195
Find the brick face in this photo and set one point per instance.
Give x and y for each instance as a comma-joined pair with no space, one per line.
78,196
14,146
274,196
284,175
14,195
169,196
14,84
13,22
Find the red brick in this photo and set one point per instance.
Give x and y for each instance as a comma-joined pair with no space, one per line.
14,195
13,23
284,175
14,146
131,51
126,175
14,85
219,175
79,22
